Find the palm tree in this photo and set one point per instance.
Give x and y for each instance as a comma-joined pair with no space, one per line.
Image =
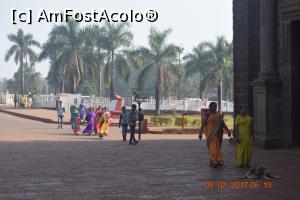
159,56
65,48
22,50
118,36
96,46
179,71
198,62
220,58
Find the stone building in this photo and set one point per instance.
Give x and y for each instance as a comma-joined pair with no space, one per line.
267,68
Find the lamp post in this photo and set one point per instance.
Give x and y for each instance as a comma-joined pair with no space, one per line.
139,100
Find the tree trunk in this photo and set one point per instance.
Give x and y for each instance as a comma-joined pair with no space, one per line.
179,89
25,66
62,86
112,89
200,87
100,85
220,91
74,85
22,74
179,77
157,89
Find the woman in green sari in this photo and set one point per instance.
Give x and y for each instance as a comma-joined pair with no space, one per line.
244,135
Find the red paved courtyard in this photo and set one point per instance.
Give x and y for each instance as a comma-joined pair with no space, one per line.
40,162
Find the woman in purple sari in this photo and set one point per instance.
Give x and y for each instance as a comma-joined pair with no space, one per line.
90,122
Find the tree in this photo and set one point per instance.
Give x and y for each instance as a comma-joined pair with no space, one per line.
96,51
220,58
159,56
65,49
179,71
198,62
35,82
118,36
21,49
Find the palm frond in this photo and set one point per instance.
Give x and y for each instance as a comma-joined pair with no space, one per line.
12,50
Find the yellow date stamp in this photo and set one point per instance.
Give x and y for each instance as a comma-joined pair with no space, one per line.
238,184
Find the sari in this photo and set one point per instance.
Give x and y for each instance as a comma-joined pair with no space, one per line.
90,126
102,124
245,146
97,122
77,125
214,135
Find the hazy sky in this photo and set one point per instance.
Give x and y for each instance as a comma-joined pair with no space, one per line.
191,21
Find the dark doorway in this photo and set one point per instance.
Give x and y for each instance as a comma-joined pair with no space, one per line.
295,58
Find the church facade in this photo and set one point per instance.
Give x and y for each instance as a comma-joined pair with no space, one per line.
266,39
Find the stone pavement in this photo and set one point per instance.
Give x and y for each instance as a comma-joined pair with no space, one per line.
37,161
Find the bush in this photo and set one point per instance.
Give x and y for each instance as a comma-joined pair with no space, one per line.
162,121
196,122
178,120
174,112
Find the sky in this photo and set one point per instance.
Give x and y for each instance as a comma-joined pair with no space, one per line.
191,22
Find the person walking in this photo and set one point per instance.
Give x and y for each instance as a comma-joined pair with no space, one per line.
74,111
124,122
82,111
132,118
213,125
23,101
15,99
90,122
244,134
60,115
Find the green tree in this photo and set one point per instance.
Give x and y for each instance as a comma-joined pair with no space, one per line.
198,62
22,49
179,70
96,51
160,57
65,49
220,59
118,36
35,82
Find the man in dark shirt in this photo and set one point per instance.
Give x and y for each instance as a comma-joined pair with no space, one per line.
132,118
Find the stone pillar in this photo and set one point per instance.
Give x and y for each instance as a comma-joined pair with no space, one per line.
266,88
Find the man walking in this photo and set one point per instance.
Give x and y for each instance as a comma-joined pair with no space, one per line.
60,115
132,118
124,122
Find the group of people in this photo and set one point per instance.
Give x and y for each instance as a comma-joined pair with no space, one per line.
22,101
213,125
97,120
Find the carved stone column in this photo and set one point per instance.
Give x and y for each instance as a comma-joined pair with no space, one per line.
266,87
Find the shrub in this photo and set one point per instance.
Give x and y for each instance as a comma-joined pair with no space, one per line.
174,112
162,121
178,120
196,122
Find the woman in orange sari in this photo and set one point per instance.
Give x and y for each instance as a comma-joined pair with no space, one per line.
213,125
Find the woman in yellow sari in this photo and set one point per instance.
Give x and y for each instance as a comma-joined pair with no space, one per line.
244,134
213,125
103,123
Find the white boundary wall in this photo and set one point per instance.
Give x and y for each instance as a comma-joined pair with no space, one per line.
49,101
